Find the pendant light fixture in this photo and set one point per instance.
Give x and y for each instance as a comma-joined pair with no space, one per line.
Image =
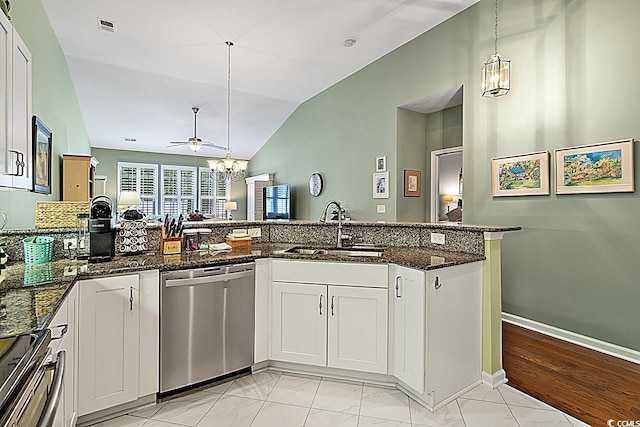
228,168
496,71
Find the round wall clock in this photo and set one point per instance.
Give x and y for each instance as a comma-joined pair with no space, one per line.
315,184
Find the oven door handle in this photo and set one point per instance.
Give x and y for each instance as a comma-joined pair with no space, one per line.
49,412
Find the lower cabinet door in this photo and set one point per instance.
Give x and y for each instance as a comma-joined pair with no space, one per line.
108,342
298,323
357,328
408,300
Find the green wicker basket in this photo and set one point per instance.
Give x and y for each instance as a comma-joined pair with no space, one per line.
38,250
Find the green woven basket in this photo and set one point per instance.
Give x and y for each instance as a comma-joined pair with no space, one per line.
38,250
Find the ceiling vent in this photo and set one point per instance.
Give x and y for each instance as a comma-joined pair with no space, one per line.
107,25
126,139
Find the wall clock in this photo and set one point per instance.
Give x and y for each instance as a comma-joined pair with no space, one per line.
315,184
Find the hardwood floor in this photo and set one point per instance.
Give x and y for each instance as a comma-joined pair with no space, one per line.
588,385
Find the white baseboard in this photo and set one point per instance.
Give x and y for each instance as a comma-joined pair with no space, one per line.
496,379
581,340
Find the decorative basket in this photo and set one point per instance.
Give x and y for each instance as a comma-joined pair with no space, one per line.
38,250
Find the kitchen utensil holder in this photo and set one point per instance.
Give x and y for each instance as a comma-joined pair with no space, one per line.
38,250
170,245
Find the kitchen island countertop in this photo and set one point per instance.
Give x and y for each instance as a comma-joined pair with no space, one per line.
31,293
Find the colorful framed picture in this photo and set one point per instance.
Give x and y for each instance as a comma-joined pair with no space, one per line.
596,168
381,185
42,142
411,183
520,175
381,164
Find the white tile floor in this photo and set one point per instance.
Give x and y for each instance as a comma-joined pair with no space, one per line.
271,399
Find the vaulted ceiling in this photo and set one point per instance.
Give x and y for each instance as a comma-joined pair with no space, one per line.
164,57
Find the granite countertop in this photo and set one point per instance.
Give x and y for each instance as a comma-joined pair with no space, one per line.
31,293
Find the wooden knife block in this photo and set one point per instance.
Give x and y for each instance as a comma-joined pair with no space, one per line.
170,245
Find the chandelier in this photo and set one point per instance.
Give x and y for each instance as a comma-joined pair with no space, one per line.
228,168
496,71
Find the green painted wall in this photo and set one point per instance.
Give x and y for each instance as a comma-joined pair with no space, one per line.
575,81
109,166
412,154
54,102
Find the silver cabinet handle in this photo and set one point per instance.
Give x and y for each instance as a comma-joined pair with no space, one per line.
49,412
332,304
437,283
19,162
398,287
321,305
65,328
131,298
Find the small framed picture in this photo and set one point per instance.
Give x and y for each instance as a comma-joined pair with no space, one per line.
411,183
42,141
381,185
596,168
520,175
381,164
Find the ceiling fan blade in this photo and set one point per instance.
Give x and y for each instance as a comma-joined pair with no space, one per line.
178,142
212,145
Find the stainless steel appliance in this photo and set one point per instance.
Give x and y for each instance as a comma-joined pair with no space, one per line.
31,382
101,230
206,324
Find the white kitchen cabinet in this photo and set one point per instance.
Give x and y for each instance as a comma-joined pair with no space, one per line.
330,314
357,328
454,330
407,304
108,365
436,330
262,310
64,338
16,164
299,323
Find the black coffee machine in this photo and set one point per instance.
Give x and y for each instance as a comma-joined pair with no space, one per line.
101,230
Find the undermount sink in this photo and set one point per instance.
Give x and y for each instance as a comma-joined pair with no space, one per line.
355,252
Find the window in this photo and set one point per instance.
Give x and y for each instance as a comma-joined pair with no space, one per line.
143,178
178,190
213,194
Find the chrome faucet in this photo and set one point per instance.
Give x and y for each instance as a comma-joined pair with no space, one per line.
323,218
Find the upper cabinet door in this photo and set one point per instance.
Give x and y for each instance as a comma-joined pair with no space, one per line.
21,113
6,55
16,163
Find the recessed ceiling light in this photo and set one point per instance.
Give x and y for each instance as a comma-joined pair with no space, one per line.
126,139
349,42
106,25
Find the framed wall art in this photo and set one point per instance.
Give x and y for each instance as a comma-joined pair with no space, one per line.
520,175
597,168
42,142
381,185
381,164
411,183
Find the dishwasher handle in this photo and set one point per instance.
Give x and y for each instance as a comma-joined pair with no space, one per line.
51,405
192,281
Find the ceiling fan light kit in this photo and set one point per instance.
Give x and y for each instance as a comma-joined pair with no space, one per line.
194,143
228,168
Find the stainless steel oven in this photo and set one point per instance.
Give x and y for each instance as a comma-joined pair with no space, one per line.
31,380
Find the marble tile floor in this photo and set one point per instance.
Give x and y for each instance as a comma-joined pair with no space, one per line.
270,399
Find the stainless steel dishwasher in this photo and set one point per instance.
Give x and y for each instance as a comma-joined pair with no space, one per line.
206,324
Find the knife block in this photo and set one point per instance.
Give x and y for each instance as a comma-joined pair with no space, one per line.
170,245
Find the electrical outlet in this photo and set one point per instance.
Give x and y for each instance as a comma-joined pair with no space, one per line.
380,208
255,232
437,238
70,243
70,270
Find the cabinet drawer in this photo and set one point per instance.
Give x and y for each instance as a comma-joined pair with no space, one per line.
331,273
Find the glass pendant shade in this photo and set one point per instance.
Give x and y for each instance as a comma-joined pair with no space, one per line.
195,147
496,75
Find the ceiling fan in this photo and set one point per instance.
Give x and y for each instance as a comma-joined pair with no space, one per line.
195,143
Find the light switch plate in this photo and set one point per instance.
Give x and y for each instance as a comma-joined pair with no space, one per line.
380,208
437,238
255,232
239,231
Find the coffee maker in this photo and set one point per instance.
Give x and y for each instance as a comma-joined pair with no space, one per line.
101,230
